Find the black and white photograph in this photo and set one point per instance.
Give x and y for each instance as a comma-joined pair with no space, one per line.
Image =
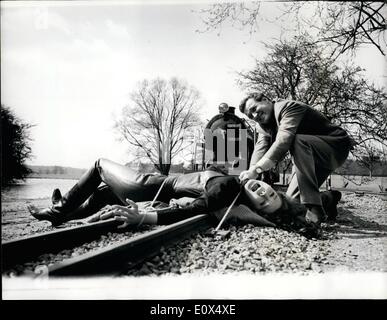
193,150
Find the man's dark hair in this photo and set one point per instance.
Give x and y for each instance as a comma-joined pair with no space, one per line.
257,96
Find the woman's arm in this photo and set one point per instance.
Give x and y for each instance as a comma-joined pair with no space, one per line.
131,215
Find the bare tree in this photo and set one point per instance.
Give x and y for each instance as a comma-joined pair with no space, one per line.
299,70
292,69
359,105
160,119
345,25
369,156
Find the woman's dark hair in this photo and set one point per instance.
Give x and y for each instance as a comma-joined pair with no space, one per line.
257,96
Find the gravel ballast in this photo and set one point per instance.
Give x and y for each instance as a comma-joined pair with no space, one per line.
45,260
356,242
247,249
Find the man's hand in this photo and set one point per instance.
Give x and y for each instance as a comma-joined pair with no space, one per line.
248,174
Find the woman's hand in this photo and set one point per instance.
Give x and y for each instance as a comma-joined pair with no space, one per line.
129,215
97,216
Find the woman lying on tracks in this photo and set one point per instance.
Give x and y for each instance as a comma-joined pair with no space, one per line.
209,191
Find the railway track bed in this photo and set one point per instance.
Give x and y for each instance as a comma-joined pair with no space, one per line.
357,238
69,252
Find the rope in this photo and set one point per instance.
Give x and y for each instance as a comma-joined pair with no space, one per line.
142,220
228,211
242,183
157,194
151,205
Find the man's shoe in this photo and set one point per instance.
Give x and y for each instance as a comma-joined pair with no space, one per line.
314,217
336,195
332,207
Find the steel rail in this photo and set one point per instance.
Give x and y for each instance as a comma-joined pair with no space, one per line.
113,258
29,247
362,191
350,190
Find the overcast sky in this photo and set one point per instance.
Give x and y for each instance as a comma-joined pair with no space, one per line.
69,67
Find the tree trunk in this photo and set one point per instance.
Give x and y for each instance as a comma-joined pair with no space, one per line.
164,169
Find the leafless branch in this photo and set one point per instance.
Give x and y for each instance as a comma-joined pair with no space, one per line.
158,118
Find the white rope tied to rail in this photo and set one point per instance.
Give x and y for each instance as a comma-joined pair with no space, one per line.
227,212
157,194
151,208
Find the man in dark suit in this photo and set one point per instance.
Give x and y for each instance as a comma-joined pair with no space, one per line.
317,147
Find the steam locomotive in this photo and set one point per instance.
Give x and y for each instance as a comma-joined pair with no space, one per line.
229,141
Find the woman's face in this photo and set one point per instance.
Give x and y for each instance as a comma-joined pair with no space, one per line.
260,111
262,196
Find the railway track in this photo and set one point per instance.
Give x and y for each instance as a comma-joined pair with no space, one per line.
383,194
110,260
361,191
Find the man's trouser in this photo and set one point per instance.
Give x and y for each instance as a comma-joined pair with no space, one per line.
314,159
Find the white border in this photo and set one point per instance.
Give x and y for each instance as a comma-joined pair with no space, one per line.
370,285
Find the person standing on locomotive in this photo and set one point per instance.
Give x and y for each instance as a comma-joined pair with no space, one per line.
317,147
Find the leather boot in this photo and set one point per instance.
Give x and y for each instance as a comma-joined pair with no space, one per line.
101,197
62,207
49,214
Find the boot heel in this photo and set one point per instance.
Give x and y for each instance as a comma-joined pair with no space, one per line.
56,196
